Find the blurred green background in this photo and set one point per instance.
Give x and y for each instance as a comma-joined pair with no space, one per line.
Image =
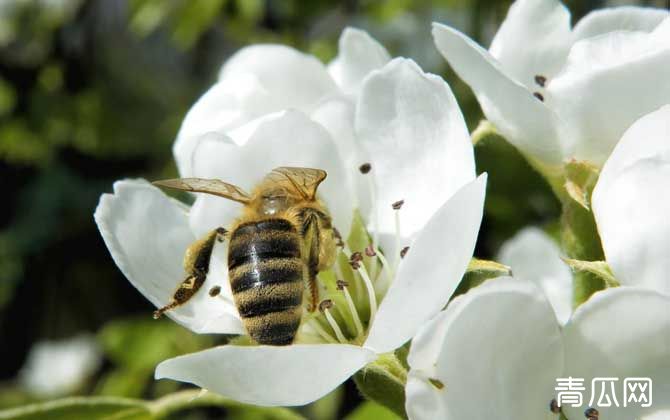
94,91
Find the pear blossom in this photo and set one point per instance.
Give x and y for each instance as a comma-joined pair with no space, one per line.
631,204
403,129
263,79
59,367
559,93
535,257
498,350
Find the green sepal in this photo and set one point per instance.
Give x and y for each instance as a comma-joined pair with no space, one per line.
580,179
478,272
598,268
383,381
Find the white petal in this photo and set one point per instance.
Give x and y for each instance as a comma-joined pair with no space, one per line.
291,139
410,125
432,269
300,79
147,233
542,27
610,81
631,204
621,333
535,257
647,137
524,120
497,350
266,375
226,105
633,224
625,18
358,55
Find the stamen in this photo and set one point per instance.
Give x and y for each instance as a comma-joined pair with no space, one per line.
368,284
355,260
324,307
214,291
398,204
319,329
540,80
539,96
403,252
342,285
370,251
386,267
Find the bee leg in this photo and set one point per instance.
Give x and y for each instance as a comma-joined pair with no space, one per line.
314,291
196,264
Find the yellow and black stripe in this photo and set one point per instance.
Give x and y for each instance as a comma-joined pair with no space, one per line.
266,277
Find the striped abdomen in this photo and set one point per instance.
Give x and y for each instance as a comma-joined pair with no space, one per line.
266,277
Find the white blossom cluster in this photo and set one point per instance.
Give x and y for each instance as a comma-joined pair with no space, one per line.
598,92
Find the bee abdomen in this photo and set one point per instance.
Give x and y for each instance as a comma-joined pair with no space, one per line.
266,278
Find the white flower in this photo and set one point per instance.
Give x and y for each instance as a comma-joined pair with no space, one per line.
266,78
497,351
535,257
631,204
56,368
558,93
405,123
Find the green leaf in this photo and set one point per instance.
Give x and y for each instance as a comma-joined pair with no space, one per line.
372,411
141,343
383,381
580,179
93,408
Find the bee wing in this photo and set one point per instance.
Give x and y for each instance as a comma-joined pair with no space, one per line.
209,186
304,180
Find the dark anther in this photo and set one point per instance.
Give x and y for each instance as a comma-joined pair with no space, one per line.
370,251
355,260
341,284
221,231
539,96
214,291
553,406
591,413
436,383
403,252
325,304
540,80
398,204
365,168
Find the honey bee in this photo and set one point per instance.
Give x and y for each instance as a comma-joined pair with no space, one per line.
282,240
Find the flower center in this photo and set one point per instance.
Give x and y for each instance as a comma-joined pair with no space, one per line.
355,284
